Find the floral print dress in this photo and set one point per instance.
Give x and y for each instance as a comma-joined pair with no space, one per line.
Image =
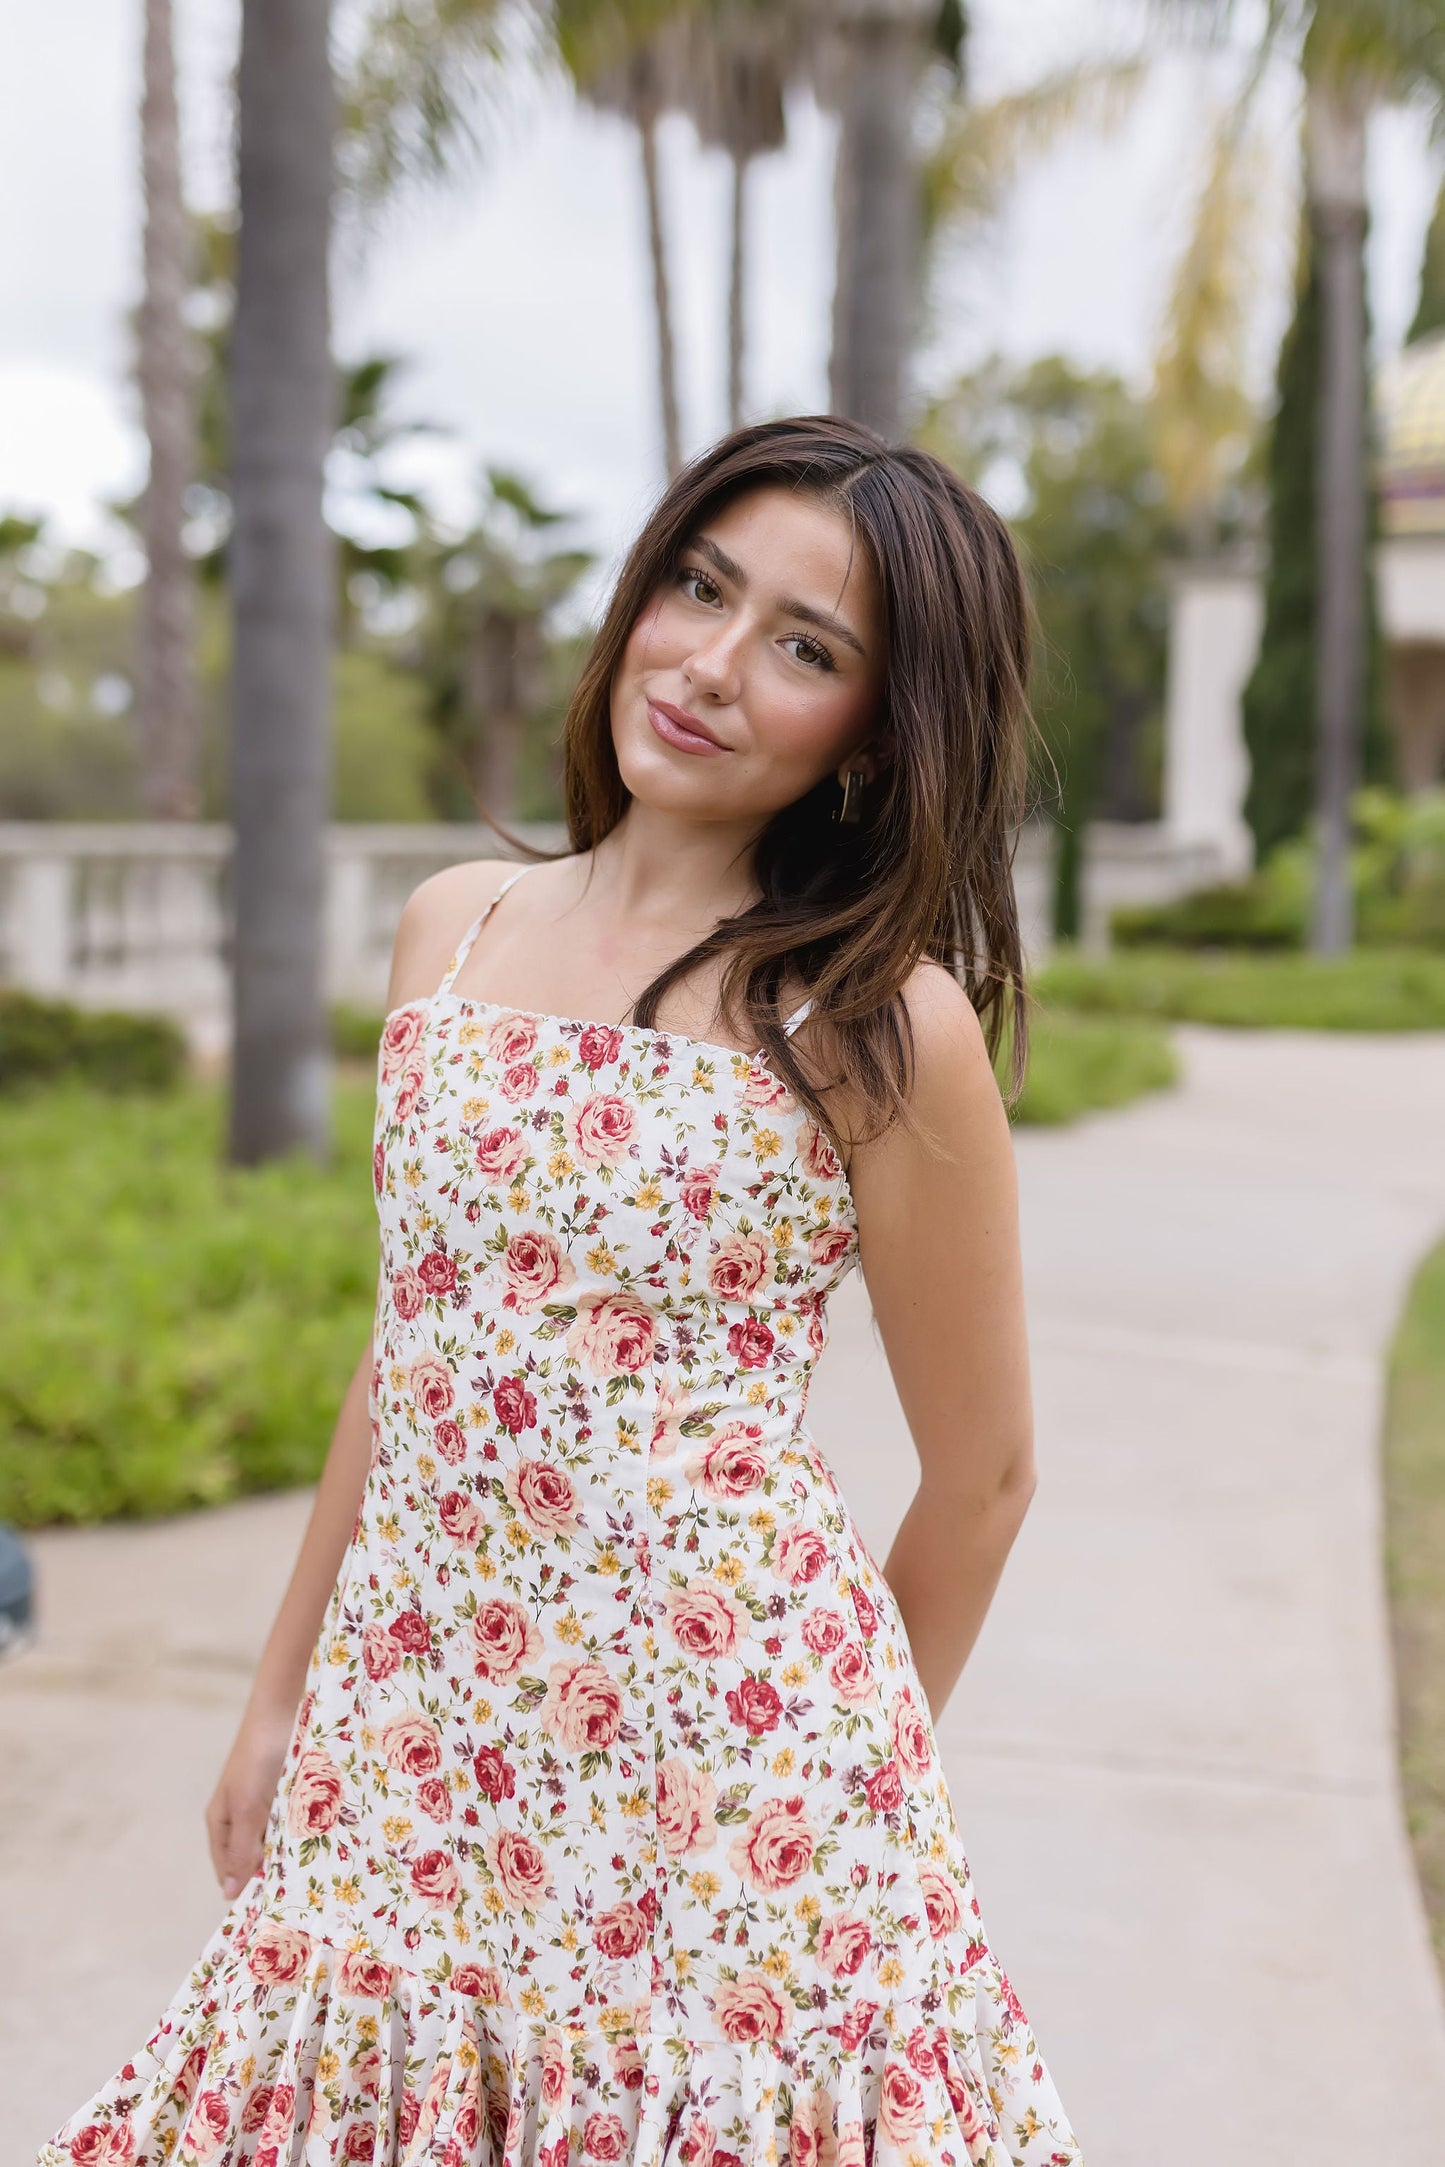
612,1826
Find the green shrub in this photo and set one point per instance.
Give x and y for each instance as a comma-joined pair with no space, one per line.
1080,1063
1397,868
41,1040
355,1034
1369,989
174,1331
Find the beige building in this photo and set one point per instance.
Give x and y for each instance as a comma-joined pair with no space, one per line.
1217,614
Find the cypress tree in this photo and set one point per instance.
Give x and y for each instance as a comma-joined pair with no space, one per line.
1279,699
1430,309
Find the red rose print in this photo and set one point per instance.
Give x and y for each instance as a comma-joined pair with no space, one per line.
750,1343
516,1407
437,1272
600,1045
755,1705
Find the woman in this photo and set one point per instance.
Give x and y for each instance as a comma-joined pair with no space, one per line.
611,1815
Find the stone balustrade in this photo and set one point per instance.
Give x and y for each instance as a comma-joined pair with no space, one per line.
136,915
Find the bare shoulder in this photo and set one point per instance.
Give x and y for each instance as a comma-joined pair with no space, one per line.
954,1096
434,917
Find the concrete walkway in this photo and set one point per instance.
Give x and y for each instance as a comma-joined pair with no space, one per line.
1172,1753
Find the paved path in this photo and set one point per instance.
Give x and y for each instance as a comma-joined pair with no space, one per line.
1172,1752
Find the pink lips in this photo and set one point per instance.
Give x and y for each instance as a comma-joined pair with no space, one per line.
683,731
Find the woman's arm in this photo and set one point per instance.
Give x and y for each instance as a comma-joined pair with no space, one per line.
939,1250
435,916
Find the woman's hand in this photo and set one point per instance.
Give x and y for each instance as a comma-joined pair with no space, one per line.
240,1805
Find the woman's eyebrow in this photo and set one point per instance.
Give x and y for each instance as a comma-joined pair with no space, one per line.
788,604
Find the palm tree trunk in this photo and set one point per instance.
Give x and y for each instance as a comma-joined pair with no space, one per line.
1335,115
877,209
661,296
166,645
736,295
281,568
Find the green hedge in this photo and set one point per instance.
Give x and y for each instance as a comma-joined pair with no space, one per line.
41,1040
173,1332
1370,989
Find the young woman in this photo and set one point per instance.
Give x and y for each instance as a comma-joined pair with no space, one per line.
588,1797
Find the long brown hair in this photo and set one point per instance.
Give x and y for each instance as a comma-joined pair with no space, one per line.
928,869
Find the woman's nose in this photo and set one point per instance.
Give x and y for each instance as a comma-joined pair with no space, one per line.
715,667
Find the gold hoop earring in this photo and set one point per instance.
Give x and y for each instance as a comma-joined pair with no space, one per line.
849,809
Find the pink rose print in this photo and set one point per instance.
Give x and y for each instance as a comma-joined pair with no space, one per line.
600,1130
776,1846
206,2125
412,1744
315,1799
500,1156
398,1038
909,1727
363,1976
519,1082
740,1264
699,1189
820,1161
704,1619
851,1675
604,2135
544,1497
583,1708
600,1045
901,2102
843,1943
450,1441
732,1463
940,1899
435,1878
750,1343
520,1868
380,1654
504,1639
752,2007
830,1245
686,1799
614,1334
408,1295
800,1554
431,1385
755,1706
277,1954
515,1405
409,1091
884,1788
462,1518
496,1778
620,1931
536,1267
437,1272
824,1630
512,1038
763,1088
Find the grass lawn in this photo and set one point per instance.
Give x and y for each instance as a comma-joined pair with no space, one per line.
1415,1566
1369,989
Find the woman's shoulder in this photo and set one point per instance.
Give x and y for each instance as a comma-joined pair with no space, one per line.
951,1076
435,916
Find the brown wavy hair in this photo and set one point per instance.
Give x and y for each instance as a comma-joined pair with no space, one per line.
850,909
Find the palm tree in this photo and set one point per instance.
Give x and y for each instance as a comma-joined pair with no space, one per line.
871,69
741,58
165,671
282,392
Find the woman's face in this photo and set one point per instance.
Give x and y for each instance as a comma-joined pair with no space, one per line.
758,669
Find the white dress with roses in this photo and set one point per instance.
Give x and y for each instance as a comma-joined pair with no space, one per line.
612,1827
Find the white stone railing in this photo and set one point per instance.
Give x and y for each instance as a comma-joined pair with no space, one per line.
134,915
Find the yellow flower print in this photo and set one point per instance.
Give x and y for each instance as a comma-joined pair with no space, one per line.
560,1165
328,2065
795,1675
569,1629
559,1057
757,1392
782,1236
601,1260
606,1561
705,1886
505,1341
784,1761
649,1194
533,2000
761,1520
475,1109
472,1034
659,1490
766,1145
891,1972
728,1571
776,1964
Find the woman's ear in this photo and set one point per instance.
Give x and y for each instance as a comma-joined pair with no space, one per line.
869,760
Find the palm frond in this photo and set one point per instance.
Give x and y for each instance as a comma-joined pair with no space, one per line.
1202,415
981,147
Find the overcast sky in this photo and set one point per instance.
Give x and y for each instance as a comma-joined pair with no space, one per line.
523,296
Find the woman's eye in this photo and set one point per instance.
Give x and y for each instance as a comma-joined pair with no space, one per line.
691,578
811,651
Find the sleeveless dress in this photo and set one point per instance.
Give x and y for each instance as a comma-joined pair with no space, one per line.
612,1826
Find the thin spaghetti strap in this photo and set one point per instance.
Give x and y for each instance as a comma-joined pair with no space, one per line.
788,1028
463,947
